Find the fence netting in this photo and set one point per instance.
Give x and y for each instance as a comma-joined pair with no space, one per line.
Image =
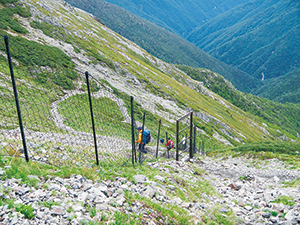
55,109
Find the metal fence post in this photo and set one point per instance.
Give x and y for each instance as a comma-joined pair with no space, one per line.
191,135
142,139
195,146
132,131
167,144
92,116
16,97
177,140
159,123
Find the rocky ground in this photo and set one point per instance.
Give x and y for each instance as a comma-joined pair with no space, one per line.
245,187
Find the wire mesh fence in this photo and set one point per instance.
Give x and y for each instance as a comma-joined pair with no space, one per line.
72,118
55,110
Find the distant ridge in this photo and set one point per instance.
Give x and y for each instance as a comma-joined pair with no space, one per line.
162,43
181,17
259,37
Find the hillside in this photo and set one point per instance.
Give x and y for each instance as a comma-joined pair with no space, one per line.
282,89
284,115
123,68
259,37
251,163
180,17
162,43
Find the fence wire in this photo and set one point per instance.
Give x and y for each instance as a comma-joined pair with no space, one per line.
56,113
55,110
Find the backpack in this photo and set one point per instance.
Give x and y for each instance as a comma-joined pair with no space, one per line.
147,136
172,144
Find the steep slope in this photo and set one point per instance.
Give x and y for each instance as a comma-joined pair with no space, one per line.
259,37
129,70
180,17
161,43
119,67
284,115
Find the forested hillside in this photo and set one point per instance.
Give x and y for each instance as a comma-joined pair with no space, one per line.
162,43
259,37
282,89
180,17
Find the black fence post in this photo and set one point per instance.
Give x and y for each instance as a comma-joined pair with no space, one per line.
177,140
92,116
167,144
191,135
16,97
159,123
142,139
195,132
132,131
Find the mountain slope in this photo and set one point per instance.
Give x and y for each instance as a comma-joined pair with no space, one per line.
284,115
282,89
119,67
259,37
161,43
180,17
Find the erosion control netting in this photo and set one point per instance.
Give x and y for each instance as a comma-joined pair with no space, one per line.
55,110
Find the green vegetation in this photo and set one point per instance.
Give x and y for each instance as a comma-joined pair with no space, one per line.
26,210
286,200
292,183
256,37
60,34
178,17
48,204
283,115
282,89
6,16
160,42
107,115
174,213
288,152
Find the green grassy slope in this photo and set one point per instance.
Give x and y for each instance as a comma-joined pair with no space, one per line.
162,43
257,37
284,115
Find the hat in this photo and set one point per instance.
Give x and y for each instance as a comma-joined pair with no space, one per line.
139,128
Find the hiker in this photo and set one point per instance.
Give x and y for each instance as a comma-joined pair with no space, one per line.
170,144
146,139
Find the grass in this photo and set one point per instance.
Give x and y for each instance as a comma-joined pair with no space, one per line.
48,204
292,183
287,152
286,200
171,211
107,115
26,210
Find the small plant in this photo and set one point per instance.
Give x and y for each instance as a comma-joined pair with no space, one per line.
243,178
93,212
286,200
45,186
48,204
274,213
32,182
26,210
70,209
54,193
